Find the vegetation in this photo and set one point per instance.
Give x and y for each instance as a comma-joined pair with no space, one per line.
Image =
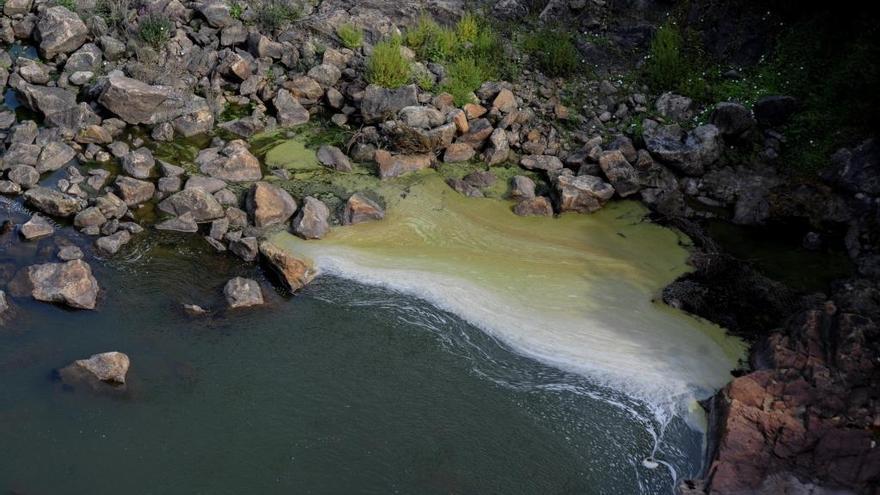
387,67
463,77
273,15
553,51
155,29
352,37
236,10
68,4
114,12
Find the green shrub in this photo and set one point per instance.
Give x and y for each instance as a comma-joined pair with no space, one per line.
236,10
273,15
432,41
666,66
463,77
553,51
155,29
68,4
387,66
468,28
351,36
114,12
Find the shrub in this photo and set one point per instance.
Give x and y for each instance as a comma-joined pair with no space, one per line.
114,12
236,10
273,15
553,51
387,66
351,36
468,28
68,4
463,77
432,41
155,29
666,66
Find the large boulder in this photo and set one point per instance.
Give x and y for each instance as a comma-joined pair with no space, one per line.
269,204
232,163
59,31
54,155
381,103
52,202
68,283
293,272
197,202
57,105
359,208
288,109
312,221
582,193
37,227
243,293
133,191
688,153
137,102
619,172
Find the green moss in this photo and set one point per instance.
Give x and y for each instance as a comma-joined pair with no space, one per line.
292,155
351,36
387,66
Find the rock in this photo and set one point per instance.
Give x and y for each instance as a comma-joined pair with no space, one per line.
17,7
675,107
89,217
69,283
4,307
198,122
9,187
133,191
547,163
289,110
232,163
54,155
312,219
688,154
505,102
498,150
479,130
136,102
23,175
94,134
480,178
537,206
197,202
522,187
111,244
325,74
107,367
21,154
86,59
732,119
57,105
111,205
582,193
380,103
293,272
458,152
464,188
139,163
51,202
235,67
59,31
243,293
420,117
208,184
359,208
270,205
304,87
619,172
856,170
245,248
185,223
333,157
217,13
194,310
774,111
70,253
396,165
37,228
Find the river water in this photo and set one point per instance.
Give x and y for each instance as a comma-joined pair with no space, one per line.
452,348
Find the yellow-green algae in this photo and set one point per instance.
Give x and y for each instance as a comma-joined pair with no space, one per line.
575,292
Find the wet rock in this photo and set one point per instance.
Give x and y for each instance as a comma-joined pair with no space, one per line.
582,193
185,223
111,244
522,187
59,31
70,253
270,205
312,219
54,156
52,202
774,111
89,217
9,187
380,103
197,202
360,208
289,110
69,283
245,248
732,119
458,152
232,163
194,310
133,191
675,107
37,227
333,157
243,293
293,272
537,206
687,153
23,175
106,367
619,172
136,102
139,163
547,163
111,205
396,165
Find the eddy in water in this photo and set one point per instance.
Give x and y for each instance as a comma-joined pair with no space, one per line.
575,292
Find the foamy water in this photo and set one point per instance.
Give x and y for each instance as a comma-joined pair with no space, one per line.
574,292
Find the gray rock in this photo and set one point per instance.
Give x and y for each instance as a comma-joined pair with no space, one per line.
359,208
687,153
69,283
582,193
547,163
325,74
333,157
499,149
312,219
293,272
538,206
59,31
380,103
243,293
675,107
17,7
109,367
111,244
619,172
208,184
133,191
269,204
232,163
199,203
288,109
217,13
245,248
52,202
522,187
184,223
732,119
139,163
37,227
421,117
139,103
23,175
57,105
54,155
111,205
70,253
89,217
86,59
22,154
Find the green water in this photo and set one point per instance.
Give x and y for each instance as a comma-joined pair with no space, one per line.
342,389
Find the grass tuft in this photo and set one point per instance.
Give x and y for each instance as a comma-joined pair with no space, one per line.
155,30
387,66
352,37
553,51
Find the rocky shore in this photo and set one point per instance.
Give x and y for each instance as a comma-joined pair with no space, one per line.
129,120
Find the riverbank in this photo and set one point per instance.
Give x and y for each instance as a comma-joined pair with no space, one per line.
230,122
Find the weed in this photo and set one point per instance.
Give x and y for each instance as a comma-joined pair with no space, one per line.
67,4
273,15
236,10
114,12
352,37
468,28
387,66
463,77
553,51
155,29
